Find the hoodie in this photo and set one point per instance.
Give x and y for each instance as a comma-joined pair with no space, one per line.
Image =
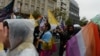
21,38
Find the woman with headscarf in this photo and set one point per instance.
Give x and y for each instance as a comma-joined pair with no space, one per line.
19,37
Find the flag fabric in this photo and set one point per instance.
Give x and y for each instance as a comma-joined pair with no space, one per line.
85,43
42,21
33,20
96,20
31,16
62,24
52,20
5,13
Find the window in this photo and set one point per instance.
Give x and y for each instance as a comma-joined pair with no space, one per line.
37,8
26,7
38,3
10,0
42,1
32,8
27,1
42,10
32,1
1,2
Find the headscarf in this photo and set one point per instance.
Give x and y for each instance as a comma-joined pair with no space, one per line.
21,37
20,29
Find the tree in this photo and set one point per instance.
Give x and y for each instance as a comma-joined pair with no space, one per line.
69,21
83,21
63,14
36,14
57,12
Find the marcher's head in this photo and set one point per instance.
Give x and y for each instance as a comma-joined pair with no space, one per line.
59,29
46,27
70,28
65,28
20,30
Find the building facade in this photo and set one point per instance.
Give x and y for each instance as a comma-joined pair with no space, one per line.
3,3
74,12
71,8
28,6
63,5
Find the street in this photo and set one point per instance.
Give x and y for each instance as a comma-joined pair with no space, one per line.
57,45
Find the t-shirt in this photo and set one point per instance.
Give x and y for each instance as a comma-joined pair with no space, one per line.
47,36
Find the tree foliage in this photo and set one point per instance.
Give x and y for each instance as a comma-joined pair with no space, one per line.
63,15
69,21
36,14
57,12
83,21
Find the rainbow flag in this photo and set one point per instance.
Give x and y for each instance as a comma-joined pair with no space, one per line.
85,43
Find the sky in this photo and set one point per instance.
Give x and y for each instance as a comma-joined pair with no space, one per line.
89,8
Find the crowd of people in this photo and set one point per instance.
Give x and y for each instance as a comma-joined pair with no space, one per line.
18,37
43,34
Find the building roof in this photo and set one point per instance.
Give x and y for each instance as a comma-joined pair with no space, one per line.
74,2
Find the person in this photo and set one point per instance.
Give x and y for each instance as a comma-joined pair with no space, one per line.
77,28
2,32
45,39
63,39
70,29
19,37
36,34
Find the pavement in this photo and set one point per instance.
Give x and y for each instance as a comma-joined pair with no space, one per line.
57,45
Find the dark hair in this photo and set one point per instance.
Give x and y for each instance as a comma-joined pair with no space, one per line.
48,26
5,24
68,27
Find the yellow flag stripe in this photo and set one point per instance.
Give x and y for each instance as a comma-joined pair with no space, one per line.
51,18
1,47
31,17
